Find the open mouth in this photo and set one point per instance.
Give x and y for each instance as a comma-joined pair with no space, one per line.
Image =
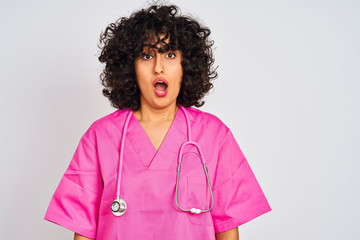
160,87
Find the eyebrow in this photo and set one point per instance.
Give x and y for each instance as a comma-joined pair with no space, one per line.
149,48
164,48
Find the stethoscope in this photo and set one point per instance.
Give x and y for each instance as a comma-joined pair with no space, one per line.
118,206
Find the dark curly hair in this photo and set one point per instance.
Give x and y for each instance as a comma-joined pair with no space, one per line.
123,41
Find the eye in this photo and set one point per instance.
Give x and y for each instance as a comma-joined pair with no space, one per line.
146,56
170,55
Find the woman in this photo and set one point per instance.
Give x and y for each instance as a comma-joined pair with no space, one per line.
123,181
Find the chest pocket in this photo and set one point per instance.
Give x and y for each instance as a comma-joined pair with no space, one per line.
198,196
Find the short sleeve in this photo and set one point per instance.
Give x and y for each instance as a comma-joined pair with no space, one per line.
237,193
75,203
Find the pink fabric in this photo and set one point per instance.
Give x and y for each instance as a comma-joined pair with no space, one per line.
82,200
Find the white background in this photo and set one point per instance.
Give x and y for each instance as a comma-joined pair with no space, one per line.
288,88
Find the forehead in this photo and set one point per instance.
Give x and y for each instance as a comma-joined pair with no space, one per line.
157,41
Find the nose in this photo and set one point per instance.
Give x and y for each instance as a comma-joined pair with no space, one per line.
158,64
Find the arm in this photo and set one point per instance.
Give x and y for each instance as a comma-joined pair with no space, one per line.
232,234
80,237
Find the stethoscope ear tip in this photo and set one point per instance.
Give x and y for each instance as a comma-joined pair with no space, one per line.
195,210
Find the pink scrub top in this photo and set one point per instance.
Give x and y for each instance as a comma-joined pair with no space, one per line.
82,200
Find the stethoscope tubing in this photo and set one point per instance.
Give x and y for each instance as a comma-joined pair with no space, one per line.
181,156
122,203
122,153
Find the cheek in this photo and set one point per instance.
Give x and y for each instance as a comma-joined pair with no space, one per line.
179,72
140,69
141,75
137,73
180,75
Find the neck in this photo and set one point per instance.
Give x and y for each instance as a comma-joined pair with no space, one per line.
151,114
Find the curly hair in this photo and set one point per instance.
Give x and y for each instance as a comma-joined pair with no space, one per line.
123,41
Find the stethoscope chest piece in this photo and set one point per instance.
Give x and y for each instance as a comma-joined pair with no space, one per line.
118,207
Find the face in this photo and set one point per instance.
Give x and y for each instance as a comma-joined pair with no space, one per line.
159,76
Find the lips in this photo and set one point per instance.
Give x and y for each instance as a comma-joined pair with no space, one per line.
160,87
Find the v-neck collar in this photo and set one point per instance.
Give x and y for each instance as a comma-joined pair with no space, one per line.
144,148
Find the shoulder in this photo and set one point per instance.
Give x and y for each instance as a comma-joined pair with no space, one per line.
109,123
207,121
